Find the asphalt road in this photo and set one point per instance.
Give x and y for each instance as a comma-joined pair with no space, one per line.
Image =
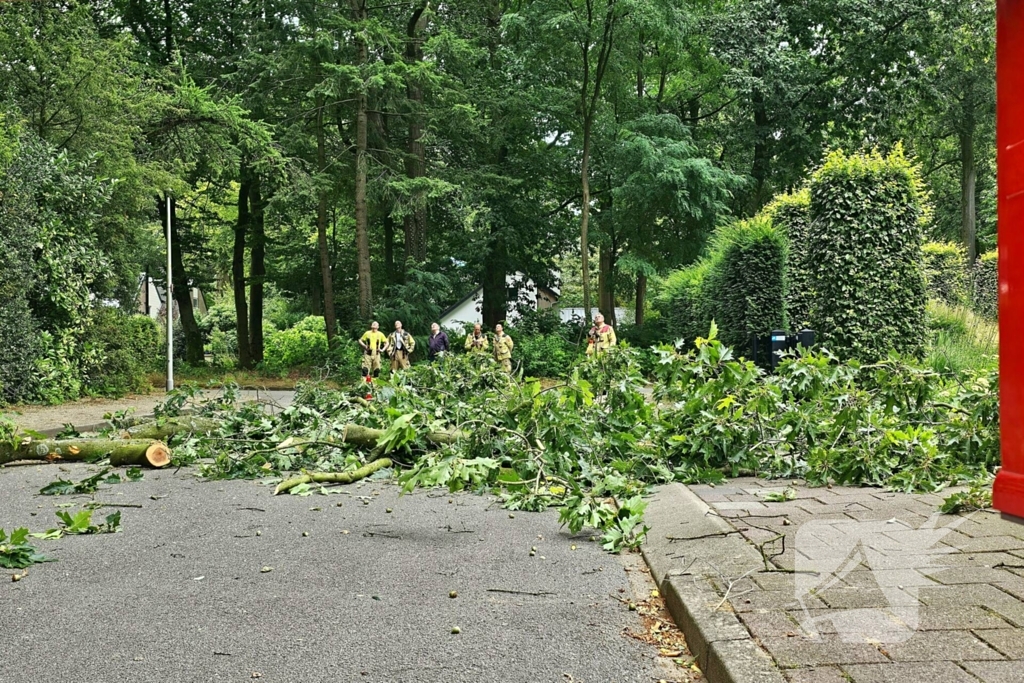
179,595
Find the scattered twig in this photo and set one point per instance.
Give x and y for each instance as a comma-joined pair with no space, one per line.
728,588
720,534
512,592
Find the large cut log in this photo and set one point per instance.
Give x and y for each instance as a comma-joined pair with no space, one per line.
332,477
120,452
164,429
368,437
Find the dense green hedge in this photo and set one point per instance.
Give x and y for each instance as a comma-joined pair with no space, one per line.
985,284
746,287
791,213
945,269
305,346
864,253
122,350
680,302
741,285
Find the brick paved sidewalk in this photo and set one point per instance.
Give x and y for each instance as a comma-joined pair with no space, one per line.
869,586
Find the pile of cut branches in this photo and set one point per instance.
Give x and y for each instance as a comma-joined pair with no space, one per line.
592,444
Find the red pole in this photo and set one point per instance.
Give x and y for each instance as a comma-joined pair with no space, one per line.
1008,494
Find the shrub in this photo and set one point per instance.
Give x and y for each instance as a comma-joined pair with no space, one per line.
985,284
545,346
791,214
681,304
746,289
945,270
865,255
20,343
120,351
304,345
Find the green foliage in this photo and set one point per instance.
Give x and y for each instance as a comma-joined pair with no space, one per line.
122,350
865,254
985,284
63,487
791,214
16,552
741,285
304,345
960,339
746,288
80,524
681,302
977,496
545,347
945,270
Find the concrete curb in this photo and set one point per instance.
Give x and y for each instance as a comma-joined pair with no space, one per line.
687,549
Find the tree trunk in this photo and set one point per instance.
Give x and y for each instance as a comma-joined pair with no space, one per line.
606,283
495,304
321,228
389,248
238,272
968,182
120,452
760,166
362,236
585,219
257,269
641,298
182,293
416,154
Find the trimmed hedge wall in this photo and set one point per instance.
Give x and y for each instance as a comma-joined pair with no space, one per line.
985,284
741,285
945,270
865,255
746,291
791,214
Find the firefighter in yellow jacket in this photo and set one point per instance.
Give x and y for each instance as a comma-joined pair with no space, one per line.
400,347
476,341
374,343
503,348
601,337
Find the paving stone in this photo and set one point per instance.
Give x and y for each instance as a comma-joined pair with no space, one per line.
904,672
1012,584
985,595
1009,641
872,625
983,543
990,525
997,672
959,617
983,559
800,651
770,624
854,598
932,646
817,674
740,506
775,581
839,511
773,600
957,575
912,519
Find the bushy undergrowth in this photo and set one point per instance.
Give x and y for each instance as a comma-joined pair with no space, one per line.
985,284
960,339
599,434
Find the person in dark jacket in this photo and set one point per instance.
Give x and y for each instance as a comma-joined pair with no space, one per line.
437,344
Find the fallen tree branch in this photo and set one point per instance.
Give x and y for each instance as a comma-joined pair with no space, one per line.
164,429
120,452
333,477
